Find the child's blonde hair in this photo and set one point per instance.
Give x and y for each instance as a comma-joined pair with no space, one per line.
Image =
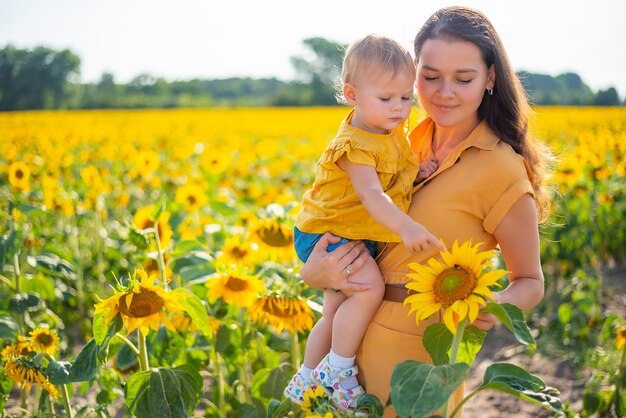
374,52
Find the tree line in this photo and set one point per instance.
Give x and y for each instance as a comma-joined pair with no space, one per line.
44,78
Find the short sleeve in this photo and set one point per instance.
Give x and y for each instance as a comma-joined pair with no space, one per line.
356,152
504,202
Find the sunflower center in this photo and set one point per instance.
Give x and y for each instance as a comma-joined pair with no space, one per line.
238,252
452,284
275,236
19,174
44,339
191,200
145,303
235,284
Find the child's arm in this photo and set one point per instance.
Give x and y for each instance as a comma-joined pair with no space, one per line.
367,186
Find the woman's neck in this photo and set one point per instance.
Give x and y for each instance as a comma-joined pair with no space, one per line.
446,138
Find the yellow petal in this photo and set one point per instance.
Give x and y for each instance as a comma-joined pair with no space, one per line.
448,319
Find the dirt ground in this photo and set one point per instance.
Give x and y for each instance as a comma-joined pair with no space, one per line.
500,346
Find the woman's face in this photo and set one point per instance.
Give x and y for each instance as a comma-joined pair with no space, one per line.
451,81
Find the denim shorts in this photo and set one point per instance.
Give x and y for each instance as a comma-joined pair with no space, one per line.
304,243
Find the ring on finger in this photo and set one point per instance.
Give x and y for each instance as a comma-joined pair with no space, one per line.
346,270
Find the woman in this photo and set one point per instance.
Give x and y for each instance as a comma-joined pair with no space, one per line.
487,187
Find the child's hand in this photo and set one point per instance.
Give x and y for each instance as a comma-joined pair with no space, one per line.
417,238
427,168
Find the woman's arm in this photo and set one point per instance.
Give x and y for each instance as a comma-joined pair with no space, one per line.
518,237
367,186
332,269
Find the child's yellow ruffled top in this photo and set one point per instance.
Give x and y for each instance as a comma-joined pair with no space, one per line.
332,204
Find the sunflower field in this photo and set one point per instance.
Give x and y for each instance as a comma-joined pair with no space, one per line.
147,264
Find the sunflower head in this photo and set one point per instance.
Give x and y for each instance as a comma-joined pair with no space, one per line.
19,176
281,312
313,398
22,348
459,284
275,238
141,304
145,218
44,340
238,250
235,287
25,372
192,197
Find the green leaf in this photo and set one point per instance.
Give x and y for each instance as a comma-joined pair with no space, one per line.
8,327
83,369
103,348
471,343
85,366
58,372
270,383
437,340
195,309
516,381
418,389
40,284
164,392
513,319
277,409
369,404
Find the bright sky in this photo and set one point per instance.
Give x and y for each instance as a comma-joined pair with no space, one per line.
222,38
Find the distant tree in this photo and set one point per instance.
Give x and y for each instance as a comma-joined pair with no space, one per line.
564,89
321,71
35,79
608,97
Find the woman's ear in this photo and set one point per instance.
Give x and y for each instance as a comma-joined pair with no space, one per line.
491,77
349,93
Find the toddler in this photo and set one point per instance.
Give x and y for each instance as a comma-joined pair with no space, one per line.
362,189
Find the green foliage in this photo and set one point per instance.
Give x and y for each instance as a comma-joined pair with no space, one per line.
516,381
164,392
513,319
418,389
84,368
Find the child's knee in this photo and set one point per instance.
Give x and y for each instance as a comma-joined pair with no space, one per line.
378,290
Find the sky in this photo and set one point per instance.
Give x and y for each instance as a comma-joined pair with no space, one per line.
184,39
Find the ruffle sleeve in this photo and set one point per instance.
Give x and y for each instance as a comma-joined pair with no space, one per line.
358,153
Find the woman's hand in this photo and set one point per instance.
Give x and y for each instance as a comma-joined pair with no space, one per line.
333,269
485,320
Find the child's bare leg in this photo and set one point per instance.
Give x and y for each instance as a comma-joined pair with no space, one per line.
318,343
355,313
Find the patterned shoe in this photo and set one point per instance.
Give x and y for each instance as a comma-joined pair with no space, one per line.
296,388
321,375
346,398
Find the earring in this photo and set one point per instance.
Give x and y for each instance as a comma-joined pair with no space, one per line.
490,91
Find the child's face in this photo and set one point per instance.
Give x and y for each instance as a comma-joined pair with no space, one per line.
382,100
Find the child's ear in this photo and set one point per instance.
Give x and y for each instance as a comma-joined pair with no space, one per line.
349,93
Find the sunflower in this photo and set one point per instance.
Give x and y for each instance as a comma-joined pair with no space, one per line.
141,304
17,350
235,287
44,340
275,238
144,219
313,398
620,337
19,176
459,284
281,312
237,250
27,373
147,162
192,197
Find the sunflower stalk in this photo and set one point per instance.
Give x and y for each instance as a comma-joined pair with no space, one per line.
17,275
243,370
66,401
80,275
143,352
454,352
99,244
129,343
295,350
160,257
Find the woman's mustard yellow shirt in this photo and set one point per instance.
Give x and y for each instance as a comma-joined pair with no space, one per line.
332,203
